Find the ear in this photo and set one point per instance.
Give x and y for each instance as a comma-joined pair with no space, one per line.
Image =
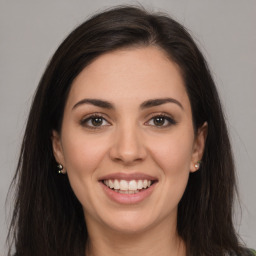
198,148
57,148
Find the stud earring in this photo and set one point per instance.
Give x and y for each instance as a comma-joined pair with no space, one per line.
197,165
60,169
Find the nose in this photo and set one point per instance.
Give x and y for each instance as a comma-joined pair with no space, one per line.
128,146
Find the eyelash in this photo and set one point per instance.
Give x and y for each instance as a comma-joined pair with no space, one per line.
84,121
167,118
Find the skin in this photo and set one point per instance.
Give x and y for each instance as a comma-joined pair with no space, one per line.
128,140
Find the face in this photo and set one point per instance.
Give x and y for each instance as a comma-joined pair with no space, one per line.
127,140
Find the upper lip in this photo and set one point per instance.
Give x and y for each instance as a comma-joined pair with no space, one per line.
128,176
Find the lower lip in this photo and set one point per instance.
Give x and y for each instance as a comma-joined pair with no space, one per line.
128,198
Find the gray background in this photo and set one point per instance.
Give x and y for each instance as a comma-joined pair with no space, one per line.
30,32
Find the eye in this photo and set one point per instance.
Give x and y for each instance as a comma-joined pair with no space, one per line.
161,121
94,121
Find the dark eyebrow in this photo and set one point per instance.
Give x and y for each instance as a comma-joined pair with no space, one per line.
157,102
95,102
145,104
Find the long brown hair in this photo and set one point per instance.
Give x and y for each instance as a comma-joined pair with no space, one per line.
47,218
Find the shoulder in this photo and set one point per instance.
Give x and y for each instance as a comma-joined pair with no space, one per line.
253,252
246,252
249,252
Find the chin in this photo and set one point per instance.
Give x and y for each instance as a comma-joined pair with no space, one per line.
129,223
127,228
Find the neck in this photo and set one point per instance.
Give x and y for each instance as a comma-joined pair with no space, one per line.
162,240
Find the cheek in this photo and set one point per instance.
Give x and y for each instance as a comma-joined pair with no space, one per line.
173,153
82,153
83,156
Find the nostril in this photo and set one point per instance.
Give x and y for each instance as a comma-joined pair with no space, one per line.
127,149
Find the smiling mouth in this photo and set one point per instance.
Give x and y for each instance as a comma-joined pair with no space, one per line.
128,187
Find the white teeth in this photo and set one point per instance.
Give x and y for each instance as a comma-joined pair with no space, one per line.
140,184
116,184
132,185
111,184
125,187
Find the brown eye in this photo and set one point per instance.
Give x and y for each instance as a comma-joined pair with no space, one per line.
95,121
159,121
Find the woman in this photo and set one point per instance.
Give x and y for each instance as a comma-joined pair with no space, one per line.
126,150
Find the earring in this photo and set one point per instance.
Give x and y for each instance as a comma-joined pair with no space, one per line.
197,165
60,169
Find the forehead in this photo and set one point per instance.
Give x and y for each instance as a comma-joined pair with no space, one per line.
130,75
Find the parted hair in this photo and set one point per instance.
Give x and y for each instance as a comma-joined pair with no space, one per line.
47,218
